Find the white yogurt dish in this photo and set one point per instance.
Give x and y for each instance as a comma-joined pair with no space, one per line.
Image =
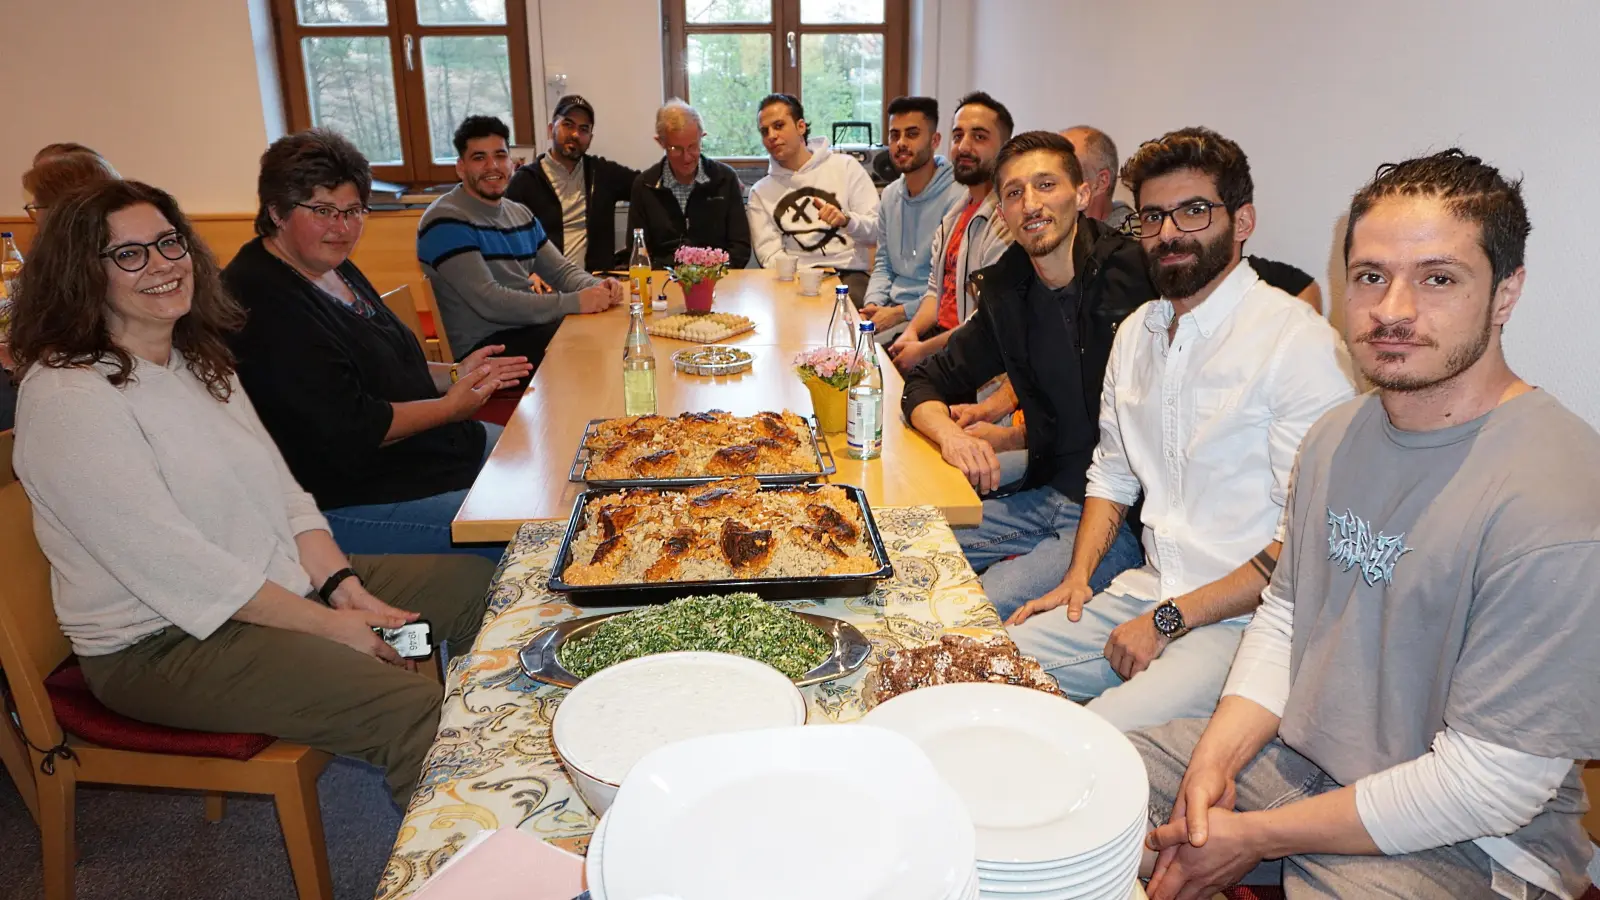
616,716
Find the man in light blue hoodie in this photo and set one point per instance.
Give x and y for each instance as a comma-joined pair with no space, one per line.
909,211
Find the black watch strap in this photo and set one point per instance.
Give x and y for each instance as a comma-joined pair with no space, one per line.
333,582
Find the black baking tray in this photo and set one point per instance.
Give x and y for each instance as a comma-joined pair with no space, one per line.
854,585
580,466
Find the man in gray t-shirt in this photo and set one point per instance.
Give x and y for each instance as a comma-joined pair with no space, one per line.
1407,713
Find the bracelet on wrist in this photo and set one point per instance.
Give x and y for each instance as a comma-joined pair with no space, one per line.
333,582
455,373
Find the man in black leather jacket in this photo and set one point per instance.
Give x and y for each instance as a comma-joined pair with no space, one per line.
1047,312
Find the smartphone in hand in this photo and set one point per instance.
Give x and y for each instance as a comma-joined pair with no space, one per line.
411,641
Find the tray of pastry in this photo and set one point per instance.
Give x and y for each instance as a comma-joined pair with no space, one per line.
702,328
651,545
699,448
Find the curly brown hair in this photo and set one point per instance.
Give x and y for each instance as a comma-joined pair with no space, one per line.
59,313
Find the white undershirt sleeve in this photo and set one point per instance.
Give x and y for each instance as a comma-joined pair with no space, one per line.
1260,670
1464,789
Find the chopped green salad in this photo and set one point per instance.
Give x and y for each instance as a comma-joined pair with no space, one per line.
742,624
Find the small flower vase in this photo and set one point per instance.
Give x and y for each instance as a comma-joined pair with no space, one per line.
829,404
697,297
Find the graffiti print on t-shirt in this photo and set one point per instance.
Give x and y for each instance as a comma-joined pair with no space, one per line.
796,215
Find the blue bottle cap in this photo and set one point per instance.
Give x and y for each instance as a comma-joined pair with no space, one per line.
866,327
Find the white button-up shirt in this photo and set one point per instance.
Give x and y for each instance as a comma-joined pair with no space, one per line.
1206,426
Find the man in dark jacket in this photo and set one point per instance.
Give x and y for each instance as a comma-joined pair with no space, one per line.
1047,312
574,194
687,200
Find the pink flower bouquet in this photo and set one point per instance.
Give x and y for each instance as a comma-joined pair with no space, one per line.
697,264
838,369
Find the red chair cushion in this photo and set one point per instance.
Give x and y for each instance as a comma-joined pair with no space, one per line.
498,409
1244,892
84,716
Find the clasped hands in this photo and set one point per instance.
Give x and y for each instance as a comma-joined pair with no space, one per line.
1205,846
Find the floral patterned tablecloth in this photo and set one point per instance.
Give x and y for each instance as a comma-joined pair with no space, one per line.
492,765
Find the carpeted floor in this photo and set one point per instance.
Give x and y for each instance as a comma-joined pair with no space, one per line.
138,845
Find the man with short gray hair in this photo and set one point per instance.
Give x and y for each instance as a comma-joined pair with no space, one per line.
687,200
1097,153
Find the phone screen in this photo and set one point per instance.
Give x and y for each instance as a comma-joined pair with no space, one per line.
413,641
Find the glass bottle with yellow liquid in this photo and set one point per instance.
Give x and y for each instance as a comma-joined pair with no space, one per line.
638,366
639,269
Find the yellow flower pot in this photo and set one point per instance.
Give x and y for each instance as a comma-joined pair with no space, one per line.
829,404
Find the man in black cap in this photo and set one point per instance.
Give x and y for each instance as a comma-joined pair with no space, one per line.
574,195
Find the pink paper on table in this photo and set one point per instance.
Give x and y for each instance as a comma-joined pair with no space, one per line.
507,865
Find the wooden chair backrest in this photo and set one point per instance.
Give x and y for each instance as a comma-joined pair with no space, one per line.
31,642
432,306
7,440
401,303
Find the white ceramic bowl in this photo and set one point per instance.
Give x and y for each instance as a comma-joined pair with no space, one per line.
617,715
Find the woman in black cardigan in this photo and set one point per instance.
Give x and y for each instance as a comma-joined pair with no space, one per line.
382,438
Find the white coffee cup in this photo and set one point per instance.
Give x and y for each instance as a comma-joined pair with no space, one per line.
810,281
786,267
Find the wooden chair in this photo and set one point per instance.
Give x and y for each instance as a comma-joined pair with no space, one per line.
13,752
32,649
430,305
403,304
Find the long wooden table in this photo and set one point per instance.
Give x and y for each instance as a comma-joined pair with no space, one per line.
526,477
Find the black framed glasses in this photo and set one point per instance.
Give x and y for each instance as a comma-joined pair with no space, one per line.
1192,216
33,209
133,257
328,214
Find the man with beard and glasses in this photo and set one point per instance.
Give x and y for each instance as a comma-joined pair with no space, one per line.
909,212
482,250
1408,712
971,236
1207,394
574,193
1046,314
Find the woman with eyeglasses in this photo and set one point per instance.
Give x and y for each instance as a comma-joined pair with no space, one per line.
384,439
59,169
196,580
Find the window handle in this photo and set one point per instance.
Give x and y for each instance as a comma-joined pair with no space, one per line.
408,44
790,41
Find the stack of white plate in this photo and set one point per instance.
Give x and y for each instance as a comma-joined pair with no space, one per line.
1058,796
844,812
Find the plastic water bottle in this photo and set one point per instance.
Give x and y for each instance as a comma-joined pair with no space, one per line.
864,401
840,334
10,266
638,366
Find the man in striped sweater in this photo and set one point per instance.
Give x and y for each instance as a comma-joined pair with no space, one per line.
485,255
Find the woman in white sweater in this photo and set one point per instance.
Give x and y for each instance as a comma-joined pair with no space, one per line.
198,583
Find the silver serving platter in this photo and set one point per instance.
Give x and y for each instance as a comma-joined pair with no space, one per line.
712,360
850,650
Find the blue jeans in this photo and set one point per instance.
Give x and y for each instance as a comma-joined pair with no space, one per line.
1037,527
1184,682
410,526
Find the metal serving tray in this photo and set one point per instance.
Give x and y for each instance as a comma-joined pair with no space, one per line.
579,473
854,585
539,658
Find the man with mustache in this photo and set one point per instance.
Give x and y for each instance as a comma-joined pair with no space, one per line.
970,237
1207,394
909,212
1409,710
574,193
1046,314
483,251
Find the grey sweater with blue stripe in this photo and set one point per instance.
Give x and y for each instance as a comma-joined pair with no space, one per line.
479,256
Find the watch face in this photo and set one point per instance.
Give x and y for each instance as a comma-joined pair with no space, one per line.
1169,620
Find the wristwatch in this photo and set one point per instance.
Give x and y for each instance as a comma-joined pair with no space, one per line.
1169,621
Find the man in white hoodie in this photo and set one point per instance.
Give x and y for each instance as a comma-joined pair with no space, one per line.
813,205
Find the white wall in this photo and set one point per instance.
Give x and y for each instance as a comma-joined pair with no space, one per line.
610,51
166,89
1318,94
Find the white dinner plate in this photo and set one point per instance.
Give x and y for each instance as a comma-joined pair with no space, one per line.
1094,859
1085,883
1044,779
593,862
847,812
1116,888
